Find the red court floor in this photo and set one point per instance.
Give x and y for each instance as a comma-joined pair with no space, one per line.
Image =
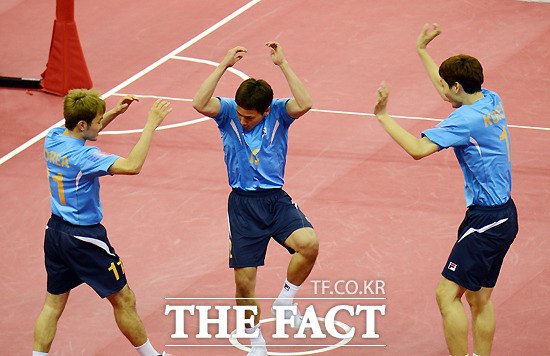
379,215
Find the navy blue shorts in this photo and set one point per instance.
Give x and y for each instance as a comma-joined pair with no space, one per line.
81,254
484,238
256,217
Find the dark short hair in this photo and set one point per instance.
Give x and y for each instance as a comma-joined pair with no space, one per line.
254,94
81,105
462,69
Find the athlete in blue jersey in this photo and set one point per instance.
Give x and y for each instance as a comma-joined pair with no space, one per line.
76,246
478,133
254,130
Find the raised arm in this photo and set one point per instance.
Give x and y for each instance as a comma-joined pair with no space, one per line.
204,102
121,108
424,38
416,147
136,158
301,101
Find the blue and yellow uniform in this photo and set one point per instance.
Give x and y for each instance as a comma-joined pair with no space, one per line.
481,141
258,207
76,246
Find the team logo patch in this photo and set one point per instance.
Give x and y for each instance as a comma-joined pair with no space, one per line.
452,266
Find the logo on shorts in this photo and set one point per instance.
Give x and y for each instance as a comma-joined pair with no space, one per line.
452,266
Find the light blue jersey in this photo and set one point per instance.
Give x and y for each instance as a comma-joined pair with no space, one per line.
73,173
481,141
255,159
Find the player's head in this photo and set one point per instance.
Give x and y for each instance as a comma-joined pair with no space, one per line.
463,69
254,95
82,105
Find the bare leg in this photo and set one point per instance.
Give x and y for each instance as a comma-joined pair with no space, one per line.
483,319
126,316
245,283
304,242
46,323
455,321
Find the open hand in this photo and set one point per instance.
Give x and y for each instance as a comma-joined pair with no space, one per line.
158,112
233,56
426,37
124,103
383,94
277,54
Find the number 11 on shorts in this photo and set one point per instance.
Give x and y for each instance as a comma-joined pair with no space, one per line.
114,269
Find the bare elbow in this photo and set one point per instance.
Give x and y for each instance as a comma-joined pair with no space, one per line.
197,106
416,154
134,171
419,154
305,107
125,167
134,168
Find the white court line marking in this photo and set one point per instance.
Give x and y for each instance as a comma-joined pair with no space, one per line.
135,77
214,64
166,127
351,113
303,298
235,342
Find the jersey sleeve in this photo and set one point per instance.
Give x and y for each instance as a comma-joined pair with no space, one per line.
95,163
279,105
228,106
451,132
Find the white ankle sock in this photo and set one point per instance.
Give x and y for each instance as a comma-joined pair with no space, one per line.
259,340
146,349
38,353
287,293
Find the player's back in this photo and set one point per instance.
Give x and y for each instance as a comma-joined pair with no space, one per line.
73,172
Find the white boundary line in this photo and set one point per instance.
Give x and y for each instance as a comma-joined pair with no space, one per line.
172,55
242,75
235,342
308,345
304,298
136,76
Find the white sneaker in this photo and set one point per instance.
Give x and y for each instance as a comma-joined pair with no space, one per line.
165,354
296,318
258,350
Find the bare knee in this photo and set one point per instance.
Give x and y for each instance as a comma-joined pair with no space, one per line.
441,296
478,300
124,298
55,304
245,282
305,242
447,293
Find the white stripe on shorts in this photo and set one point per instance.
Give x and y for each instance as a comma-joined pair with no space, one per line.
483,229
96,242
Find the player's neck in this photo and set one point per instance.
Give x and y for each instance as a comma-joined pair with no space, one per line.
469,99
74,133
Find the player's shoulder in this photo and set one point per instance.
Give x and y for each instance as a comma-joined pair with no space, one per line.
278,107
230,102
280,102
83,153
55,132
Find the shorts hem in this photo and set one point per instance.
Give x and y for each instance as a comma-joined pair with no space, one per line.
468,286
